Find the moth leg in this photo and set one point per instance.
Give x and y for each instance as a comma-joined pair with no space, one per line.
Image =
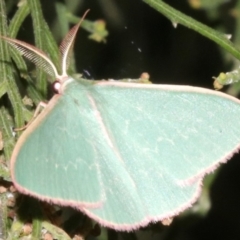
36,113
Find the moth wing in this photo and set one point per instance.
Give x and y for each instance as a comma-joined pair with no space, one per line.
167,138
57,153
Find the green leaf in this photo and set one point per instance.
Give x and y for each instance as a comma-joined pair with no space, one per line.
18,19
3,216
179,18
44,41
6,127
7,81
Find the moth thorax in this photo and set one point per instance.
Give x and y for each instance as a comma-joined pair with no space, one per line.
59,85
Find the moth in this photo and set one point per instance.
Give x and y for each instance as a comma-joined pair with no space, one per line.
125,154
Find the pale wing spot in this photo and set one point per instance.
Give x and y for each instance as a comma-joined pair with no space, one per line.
94,166
139,108
170,141
126,130
62,129
73,165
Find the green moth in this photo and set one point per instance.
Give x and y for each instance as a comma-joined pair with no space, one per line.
125,154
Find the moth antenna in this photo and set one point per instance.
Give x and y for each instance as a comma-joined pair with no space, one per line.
67,45
35,55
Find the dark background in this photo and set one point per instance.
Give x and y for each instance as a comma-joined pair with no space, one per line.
170,55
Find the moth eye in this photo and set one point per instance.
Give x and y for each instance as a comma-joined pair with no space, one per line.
56,86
